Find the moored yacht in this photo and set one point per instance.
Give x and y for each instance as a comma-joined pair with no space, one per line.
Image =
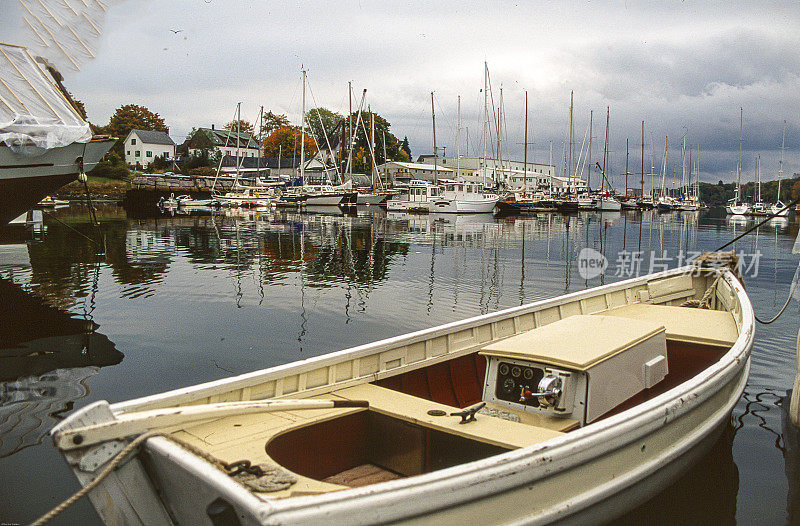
419,197
461,197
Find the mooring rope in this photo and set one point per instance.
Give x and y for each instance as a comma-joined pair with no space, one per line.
115,462
771,216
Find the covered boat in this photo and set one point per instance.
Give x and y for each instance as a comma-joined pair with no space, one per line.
44,142
510,417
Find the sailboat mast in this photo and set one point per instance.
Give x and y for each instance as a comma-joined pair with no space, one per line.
551,168
627,153
591,166
758,176
683,164
435,158
303,133
525,155
571,136
605,152
372,143
739,164
458,143
260,123
238,136
780,166
664,170
642,181
485,116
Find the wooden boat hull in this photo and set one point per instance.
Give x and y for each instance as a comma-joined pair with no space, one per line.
587,475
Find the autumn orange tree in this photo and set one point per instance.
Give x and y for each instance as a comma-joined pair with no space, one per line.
243,126
286,142
795,190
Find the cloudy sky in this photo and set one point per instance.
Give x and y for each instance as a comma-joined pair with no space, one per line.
682,67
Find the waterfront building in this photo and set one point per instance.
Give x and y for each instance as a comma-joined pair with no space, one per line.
402,172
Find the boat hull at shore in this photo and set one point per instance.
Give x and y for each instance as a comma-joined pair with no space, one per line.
25,180
592,473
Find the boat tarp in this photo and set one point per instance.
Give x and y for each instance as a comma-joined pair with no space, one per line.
34,113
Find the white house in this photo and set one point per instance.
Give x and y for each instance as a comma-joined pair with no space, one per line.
143,146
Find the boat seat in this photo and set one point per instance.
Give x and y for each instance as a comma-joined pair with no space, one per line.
487,429
684,324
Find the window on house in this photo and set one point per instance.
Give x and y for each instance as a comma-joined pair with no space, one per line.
149,154
128,152
137,153
133,141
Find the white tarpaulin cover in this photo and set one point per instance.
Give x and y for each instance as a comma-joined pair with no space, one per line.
33,111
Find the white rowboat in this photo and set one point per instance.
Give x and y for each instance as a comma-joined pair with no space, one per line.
610,423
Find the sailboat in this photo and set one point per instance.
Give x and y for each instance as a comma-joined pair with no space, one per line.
666,203
605,202
463,197
736,206
759,208
780,209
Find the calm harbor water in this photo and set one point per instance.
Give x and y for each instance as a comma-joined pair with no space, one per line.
185,299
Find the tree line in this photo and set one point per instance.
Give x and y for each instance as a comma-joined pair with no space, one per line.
277,136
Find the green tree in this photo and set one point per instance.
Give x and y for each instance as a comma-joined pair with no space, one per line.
330,121
406,147
112,166
361,150
132,117
271,122
796,190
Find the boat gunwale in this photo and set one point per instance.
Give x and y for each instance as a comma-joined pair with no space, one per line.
189,394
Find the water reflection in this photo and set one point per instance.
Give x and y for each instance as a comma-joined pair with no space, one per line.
46,356
195,297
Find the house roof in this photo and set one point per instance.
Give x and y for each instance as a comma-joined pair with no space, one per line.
223,137
153,137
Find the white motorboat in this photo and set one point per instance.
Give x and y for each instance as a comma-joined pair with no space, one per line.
586,202
508,417
606,203
246,197
419,197
44,144
464,198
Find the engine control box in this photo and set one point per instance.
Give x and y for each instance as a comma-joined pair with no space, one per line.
579,367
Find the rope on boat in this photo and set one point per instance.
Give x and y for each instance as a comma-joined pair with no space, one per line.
705,302
263,477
